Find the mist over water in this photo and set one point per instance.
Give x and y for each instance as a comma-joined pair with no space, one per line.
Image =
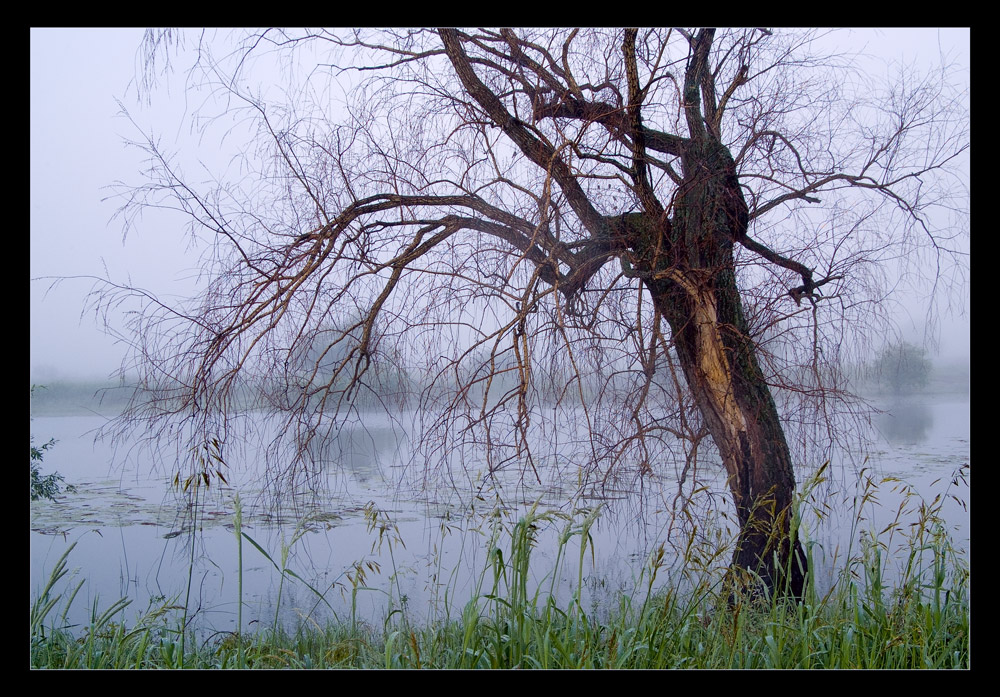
431,541
374,528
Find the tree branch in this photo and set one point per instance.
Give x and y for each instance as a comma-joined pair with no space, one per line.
538,152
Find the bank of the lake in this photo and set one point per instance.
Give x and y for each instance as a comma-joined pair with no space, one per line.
922,622
367,577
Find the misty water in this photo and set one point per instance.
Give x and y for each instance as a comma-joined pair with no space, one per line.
423,550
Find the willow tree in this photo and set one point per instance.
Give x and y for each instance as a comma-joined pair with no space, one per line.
654,230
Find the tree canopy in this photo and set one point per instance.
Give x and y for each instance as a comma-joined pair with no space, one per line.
613,249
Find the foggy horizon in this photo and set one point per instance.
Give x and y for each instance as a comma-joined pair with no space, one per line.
78,150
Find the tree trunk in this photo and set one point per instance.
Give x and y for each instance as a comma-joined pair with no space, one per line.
720,366
688,267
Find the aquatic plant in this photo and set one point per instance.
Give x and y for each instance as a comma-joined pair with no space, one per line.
872,616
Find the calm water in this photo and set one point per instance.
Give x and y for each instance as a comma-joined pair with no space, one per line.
427,547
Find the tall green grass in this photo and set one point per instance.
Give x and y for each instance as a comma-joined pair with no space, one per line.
514,620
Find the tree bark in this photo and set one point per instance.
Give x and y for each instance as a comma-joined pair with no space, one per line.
722,372
687,264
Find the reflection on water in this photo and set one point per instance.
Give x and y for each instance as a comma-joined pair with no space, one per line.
135,536
905,421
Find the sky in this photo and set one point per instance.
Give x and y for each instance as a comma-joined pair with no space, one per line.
78,151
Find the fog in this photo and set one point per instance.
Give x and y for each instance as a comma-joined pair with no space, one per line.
78,150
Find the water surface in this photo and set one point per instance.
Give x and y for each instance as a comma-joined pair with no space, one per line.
425,550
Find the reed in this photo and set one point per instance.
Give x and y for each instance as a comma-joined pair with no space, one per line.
514,620
238,528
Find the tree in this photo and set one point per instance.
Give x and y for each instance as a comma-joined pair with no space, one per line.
903,368
662,235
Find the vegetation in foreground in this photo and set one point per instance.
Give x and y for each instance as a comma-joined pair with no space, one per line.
920,622
42,486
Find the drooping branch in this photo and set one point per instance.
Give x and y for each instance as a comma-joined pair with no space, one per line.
808,284
542,154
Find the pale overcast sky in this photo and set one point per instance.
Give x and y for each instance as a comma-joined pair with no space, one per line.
77,151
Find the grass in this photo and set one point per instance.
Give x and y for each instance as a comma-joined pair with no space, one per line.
919,621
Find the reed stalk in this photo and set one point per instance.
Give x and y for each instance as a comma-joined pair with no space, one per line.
919,620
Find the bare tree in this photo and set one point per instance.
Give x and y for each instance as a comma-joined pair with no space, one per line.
653,233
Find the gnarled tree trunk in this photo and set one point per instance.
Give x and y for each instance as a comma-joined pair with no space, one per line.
724,377
687,264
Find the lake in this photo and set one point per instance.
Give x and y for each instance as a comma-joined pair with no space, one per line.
368,545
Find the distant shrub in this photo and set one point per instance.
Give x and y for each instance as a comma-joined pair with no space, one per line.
39,486
903,368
